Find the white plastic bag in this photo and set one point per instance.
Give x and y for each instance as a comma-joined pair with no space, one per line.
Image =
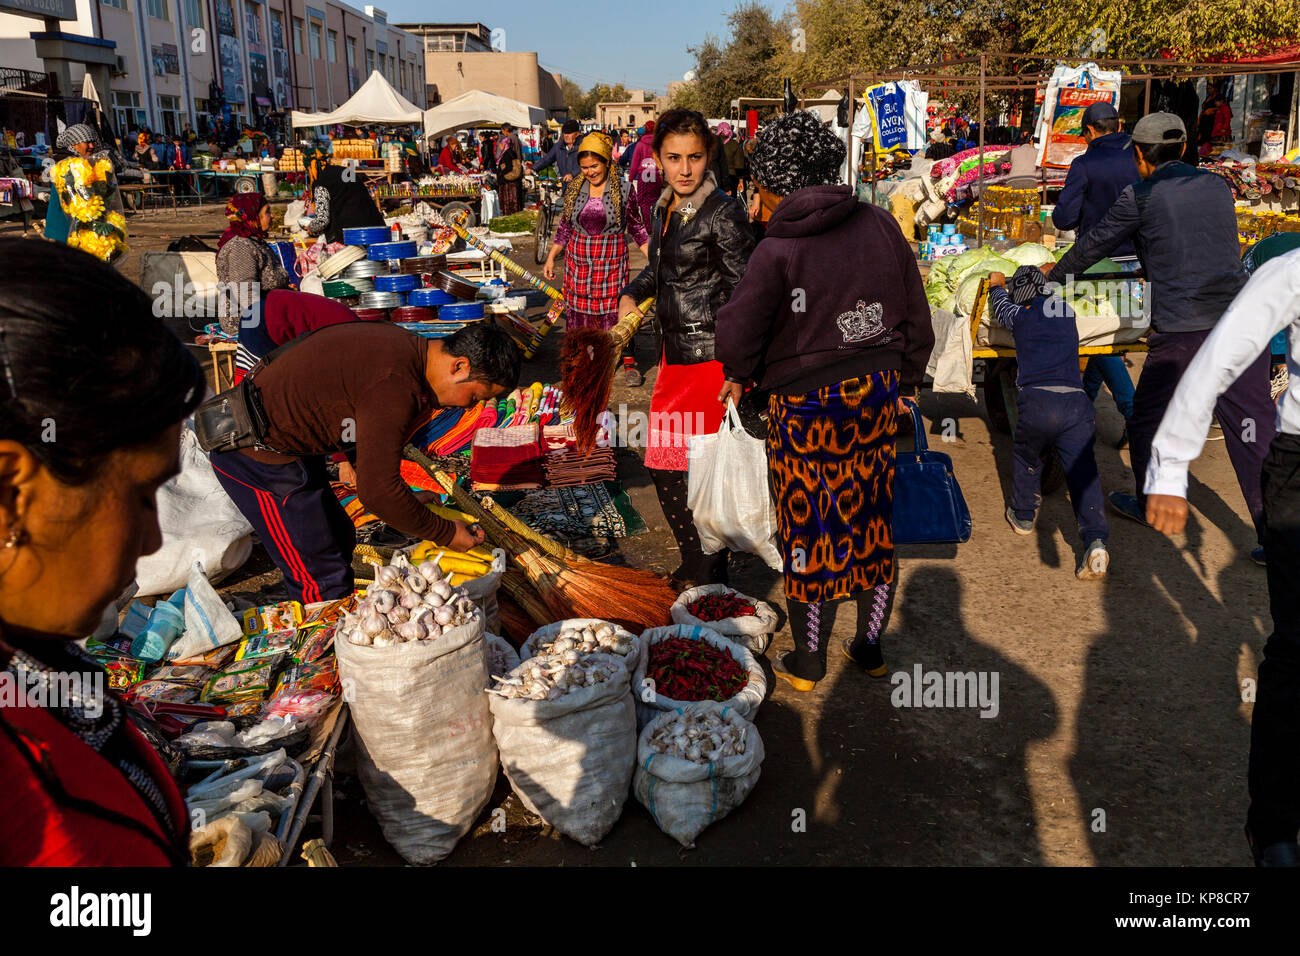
425,753
727,492
650,703
634,661
754,631
195,515
208,622
570,760
683,796
482,590
489,207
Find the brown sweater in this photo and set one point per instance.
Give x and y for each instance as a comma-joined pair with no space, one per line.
361,382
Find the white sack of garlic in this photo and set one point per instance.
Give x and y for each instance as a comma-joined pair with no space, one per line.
585,636
404,604
694,766
566,731
501,655
552,676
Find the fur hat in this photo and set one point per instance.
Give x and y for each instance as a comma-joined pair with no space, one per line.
795,151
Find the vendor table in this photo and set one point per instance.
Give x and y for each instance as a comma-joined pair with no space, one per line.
209,180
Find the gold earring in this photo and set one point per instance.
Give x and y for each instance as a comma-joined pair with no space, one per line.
16,537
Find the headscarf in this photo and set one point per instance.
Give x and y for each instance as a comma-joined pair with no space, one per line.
1026,283
508,141
597,143
243,211
314,159
795,151
75,134
724,130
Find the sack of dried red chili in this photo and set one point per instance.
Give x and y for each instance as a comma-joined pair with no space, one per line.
687,663
744,619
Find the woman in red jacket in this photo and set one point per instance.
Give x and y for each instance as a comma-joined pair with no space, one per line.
79,468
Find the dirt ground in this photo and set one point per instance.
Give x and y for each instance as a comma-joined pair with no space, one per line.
1121,736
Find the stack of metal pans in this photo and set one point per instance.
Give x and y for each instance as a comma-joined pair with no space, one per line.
382,300
365,269
366,235
413,313
431,298
396,283
336,263
423,265
371,315
391,250
344,289
454,285
461,312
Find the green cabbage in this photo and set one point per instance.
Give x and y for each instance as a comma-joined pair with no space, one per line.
1030,254
1061,251
1103,265
961,263
966,293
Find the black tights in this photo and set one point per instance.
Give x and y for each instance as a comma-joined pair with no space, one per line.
696,566
811,626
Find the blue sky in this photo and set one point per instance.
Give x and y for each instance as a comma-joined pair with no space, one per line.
641,44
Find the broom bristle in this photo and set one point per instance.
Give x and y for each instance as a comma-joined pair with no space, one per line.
634,604
586,368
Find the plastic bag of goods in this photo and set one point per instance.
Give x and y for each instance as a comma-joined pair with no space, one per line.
586,635
567,737
694,765
413,671
744,619
690,665
728,494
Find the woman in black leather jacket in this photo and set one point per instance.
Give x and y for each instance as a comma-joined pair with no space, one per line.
699,244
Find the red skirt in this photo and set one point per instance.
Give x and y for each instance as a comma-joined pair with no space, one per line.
684,403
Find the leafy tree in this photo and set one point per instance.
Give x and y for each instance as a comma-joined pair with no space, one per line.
573,97
750,63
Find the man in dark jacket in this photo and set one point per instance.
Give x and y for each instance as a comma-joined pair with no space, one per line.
1182,222
1091,187
564,154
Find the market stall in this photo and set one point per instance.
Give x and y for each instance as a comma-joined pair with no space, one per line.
478,108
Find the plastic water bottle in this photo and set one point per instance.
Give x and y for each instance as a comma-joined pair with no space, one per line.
165,625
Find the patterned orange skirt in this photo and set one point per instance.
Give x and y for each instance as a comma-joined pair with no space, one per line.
831,457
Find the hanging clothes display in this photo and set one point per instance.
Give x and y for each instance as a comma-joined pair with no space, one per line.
1070,91
888,104
916,107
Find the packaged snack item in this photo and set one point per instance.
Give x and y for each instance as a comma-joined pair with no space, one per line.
307,705
216,658
249,708
245,680
287,615
317,675
165,690
326,612
313,643
195,675
276,642
123,671
116,645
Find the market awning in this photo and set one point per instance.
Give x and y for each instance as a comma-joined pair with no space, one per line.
376,102
477,107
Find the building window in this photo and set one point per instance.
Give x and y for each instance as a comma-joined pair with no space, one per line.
194,13
120,4
127,113
352,53
331,46
169,111
315,40
157,9
297,36
370,63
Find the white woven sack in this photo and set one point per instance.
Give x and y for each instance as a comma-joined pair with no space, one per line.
544,635
650,703
754,631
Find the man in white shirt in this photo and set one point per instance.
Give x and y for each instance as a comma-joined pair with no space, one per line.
1269,303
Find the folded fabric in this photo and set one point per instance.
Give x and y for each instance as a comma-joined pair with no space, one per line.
442,421
507,456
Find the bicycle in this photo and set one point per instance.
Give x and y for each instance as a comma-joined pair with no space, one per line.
549,193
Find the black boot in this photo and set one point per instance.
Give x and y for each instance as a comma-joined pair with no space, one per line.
864,649
697,567
810,626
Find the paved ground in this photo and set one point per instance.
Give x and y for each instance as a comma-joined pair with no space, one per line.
1120,739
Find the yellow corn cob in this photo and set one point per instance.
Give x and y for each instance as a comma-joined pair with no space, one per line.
442,511
455,563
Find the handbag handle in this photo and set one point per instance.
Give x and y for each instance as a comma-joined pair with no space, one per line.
918,429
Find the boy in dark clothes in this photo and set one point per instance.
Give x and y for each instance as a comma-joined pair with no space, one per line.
1052,410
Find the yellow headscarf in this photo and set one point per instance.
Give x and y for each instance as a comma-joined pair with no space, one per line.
597,143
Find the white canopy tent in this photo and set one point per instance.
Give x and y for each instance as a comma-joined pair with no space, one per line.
479,107
375,102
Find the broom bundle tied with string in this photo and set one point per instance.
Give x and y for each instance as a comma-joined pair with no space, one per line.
588,360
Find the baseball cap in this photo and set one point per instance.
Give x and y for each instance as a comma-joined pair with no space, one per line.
570,126
1156,128
1098,113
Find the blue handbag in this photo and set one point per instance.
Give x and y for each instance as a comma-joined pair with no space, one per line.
928,504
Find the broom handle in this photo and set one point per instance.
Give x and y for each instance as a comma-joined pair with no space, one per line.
548,322
548,545
626,327
509,265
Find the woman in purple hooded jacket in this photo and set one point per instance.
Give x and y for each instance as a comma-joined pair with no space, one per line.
831,320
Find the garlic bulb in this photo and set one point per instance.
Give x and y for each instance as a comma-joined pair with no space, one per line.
405,605
601,637
410,601
430,571
551,677
399,615
699,737
411,631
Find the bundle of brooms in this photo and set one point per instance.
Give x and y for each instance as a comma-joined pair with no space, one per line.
588,360
568,584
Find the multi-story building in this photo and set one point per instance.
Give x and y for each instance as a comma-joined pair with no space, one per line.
631,113
170,56
459,57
